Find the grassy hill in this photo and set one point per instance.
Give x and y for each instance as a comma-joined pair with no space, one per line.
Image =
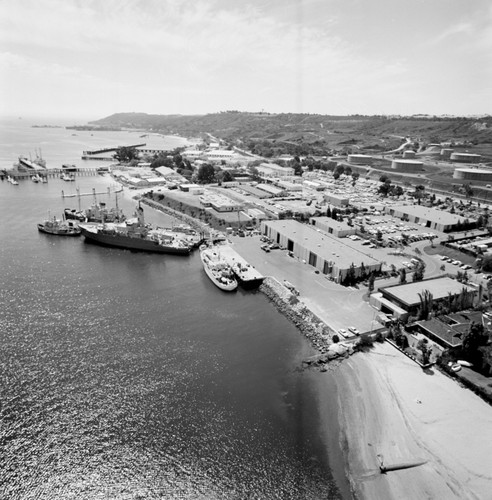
377,132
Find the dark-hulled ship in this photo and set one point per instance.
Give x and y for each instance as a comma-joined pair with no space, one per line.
134,234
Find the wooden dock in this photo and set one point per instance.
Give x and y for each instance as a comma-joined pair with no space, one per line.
48,173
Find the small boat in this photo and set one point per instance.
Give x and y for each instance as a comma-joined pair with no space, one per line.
59,227
36,178
12,181
456,367
67,177
218,270
462,362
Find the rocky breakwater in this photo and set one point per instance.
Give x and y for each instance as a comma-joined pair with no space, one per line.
309,324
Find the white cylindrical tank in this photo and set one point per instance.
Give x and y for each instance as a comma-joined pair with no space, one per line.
465,157
407,165
409,154
360,159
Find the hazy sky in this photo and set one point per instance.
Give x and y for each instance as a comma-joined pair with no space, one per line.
92,58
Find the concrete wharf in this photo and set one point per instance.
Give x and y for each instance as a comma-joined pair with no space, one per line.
245,272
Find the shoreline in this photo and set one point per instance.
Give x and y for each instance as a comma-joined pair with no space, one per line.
378,413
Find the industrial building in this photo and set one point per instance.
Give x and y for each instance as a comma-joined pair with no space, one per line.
473,174
328,225
274,170
329,255
337,200
465,157
400,301
430,217
405,165
219,203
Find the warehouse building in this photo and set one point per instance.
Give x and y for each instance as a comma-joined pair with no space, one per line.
274,170
331,226
430,217
329,255
400,301
337,200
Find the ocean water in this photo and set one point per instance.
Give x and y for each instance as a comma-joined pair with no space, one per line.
129,375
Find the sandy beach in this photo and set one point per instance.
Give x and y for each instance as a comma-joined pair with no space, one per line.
380,413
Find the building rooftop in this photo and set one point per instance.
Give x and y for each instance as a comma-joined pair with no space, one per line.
449,335
326,247
432,214
328,221
440,288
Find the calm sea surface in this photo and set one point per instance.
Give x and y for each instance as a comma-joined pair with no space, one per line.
130,375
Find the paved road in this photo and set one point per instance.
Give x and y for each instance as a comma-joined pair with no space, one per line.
337,306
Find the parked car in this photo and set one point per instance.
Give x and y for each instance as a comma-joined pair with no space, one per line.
353,330
264,247
274,246
342,332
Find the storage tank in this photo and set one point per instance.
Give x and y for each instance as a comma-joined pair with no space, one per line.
359,159
473,174
446,153
465,157
407,165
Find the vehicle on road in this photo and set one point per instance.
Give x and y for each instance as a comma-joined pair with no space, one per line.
342,332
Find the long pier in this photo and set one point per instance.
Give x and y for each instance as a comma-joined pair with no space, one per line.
48,173
94,193
108,150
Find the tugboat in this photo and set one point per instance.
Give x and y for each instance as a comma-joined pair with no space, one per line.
134,234
217,269
59,227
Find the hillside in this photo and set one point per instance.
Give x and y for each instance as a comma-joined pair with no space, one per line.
329,131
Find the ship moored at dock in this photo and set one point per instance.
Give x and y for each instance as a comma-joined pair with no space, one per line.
217,269
134,234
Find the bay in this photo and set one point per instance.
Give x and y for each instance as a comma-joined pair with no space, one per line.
130,375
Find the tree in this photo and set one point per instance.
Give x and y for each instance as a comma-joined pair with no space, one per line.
468,190
255,175
418,274
473,340
125,154
403,276
426,305
227,176
350,276
370,284
206,174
